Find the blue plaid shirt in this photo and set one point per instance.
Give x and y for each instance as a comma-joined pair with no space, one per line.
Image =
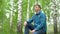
39,20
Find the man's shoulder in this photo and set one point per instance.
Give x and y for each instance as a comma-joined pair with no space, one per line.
42,14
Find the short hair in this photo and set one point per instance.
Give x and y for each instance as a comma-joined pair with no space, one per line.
37,5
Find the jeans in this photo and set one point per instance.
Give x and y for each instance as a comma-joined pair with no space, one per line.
31,27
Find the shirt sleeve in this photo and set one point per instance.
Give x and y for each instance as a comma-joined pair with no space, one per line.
30,20
42,24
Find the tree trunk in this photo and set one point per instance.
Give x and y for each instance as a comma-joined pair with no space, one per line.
55,16
28,10
36,1
19,24
11,13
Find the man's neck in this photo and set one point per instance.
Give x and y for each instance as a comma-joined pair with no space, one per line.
37,12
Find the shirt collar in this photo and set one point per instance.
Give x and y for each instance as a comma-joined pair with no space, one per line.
38,13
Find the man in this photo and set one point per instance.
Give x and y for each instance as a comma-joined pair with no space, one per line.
39,20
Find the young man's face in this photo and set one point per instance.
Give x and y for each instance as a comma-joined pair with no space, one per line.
37,8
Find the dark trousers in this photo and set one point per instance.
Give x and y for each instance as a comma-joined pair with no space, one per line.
31,27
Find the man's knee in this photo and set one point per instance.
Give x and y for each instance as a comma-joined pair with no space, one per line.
38,32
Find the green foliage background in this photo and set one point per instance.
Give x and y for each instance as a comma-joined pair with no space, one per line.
5,8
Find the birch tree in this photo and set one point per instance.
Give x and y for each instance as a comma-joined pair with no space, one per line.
28,10
55,15
19,22
11,12
36,1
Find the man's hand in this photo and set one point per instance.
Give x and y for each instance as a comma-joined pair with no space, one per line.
33,31
25,23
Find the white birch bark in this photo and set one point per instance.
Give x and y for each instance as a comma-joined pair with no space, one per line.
11,13
55,15
19,23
